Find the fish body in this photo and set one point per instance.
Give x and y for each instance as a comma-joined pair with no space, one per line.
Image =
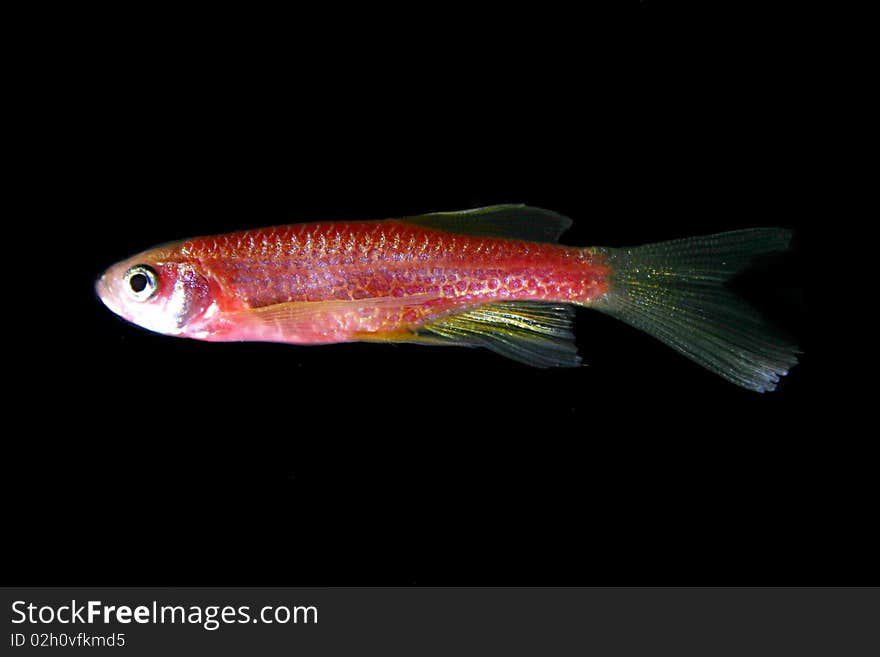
377,277
492,277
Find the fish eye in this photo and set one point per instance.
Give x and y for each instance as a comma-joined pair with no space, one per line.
141,282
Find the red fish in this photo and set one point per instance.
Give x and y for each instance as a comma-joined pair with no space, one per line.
492,277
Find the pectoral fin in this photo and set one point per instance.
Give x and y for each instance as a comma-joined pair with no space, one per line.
302,317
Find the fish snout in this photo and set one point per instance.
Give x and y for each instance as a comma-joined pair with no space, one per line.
107,291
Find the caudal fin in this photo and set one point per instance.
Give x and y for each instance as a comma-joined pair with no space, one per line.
676,292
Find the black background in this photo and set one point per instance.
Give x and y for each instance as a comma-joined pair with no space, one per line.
145,459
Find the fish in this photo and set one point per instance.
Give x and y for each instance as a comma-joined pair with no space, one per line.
495,277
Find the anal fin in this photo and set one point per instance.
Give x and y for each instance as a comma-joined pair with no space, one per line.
535,333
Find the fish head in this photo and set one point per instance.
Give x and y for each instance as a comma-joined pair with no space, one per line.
164,294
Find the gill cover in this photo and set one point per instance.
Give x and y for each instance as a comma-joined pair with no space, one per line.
162,297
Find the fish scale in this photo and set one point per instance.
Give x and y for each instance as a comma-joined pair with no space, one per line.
309,265
492,277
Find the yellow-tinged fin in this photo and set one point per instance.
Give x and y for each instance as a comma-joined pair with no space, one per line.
535,333
676,292
510,221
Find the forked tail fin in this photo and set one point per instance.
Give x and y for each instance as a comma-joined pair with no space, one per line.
676,292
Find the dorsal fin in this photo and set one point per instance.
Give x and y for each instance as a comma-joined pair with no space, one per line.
511,221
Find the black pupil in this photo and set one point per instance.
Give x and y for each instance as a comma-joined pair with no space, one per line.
138,282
